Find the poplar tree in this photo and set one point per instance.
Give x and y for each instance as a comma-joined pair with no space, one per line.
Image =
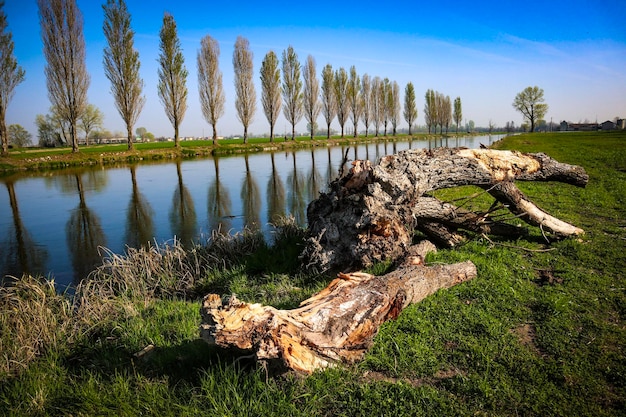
11,75
329,103
430,110
210,87
354,98
341,95
394,106
458,113
378,103
292,89
121,64
366,101
245,102
172,86
386,100
67,79
312,106
270,90
410,108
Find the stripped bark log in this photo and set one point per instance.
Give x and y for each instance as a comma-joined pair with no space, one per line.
337,325
370,214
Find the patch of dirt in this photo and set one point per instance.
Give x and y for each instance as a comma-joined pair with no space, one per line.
525,333
374,376
547,277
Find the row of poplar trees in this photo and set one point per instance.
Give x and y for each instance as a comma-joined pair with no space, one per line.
345,95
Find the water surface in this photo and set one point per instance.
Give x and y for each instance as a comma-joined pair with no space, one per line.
60,223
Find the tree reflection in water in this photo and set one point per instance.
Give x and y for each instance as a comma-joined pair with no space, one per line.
314,181
275,195
251,200
296,196
331,172
183,213
218,204
19,254
139,216
84,232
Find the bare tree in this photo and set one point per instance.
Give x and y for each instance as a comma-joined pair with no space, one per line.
172,75
387,101
210,87
366,101
447,113
270,90
312,106
329,103
410,108
91,119
394,115
458,113
244,86
378,103
66,71
11,75
354,99
430,110
341,95
292,89
441,113
121,64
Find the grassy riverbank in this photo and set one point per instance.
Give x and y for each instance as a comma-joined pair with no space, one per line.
52,158
540,331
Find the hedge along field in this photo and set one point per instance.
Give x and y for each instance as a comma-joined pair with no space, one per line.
540,331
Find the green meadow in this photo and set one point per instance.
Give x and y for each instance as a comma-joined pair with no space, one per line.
541,331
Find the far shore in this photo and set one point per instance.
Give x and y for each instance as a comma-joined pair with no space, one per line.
41,159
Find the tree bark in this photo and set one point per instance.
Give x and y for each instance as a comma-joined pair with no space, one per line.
337,325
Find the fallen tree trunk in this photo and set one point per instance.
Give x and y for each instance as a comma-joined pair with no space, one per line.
370,214
337,325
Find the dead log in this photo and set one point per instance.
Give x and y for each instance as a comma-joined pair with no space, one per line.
337,325
370,214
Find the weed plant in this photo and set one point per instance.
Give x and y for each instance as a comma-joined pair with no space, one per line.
539,332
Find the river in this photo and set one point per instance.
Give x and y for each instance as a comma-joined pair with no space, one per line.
59,223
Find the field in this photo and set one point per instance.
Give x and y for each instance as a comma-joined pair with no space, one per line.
541,331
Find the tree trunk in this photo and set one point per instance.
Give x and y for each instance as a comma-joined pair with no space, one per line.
4,135
129,138
337,325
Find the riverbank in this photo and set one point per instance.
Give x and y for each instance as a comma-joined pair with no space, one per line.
39,159
540,331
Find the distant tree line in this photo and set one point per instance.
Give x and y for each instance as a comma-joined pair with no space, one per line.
370,101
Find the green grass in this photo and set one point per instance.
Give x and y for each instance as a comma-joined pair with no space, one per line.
536,333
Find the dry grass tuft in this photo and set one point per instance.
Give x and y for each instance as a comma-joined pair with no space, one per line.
34,318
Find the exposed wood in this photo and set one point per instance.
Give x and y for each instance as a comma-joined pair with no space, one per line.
370,214
337,325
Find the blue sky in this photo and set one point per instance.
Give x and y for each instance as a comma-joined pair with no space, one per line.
483,52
